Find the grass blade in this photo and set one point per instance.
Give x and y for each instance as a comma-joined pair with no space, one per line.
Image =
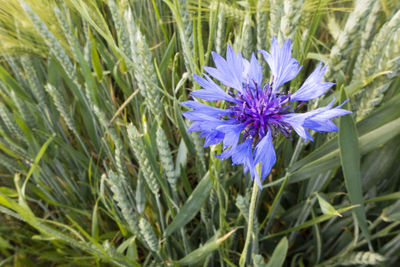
192,205
350,160
198,255
279,255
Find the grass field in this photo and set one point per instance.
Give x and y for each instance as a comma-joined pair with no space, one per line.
97,167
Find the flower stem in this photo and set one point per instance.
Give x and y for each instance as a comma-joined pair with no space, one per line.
250,223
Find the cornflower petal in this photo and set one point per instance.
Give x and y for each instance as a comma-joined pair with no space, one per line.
211,91
317,120
296,120
232,134
206,109
283,67
243,155
213,138
313,87
321,122
195,127
265,154
320,125
235,64
228,71
194,115
252,71
207,126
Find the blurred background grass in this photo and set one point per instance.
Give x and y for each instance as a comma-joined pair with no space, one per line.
96,167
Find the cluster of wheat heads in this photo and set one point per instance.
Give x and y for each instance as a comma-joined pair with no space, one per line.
97,167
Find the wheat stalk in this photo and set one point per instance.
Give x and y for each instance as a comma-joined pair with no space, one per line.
143,67
166,157
119,194
275,16
148,234
140,152
339,55
290,19
55,47
381,57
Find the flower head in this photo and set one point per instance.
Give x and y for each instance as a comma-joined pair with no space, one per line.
256,113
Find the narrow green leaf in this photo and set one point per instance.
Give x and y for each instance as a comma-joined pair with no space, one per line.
124,245
7,79
119,79
96,62
183,130
391,213
37,159
167,55
160,20
198,255
350,160
177,15
5,149
309,223
87,73
192,205
95,222
181,158
199,35
132,253
279,255
8,191
392,196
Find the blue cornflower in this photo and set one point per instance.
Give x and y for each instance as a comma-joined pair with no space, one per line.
256,113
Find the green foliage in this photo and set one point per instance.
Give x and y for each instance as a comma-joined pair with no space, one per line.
96,166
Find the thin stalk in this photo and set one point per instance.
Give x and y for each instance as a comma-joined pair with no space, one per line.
160,21
243,256
221,205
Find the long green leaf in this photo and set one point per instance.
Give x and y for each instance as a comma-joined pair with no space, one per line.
183,130
36,161
167,55
16,87
350,161
279,255
309,223
198,255
192,205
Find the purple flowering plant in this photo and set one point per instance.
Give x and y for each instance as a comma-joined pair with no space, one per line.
256,112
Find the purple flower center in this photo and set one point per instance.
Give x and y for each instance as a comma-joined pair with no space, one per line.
261,110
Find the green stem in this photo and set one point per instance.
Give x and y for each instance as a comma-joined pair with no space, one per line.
221,205
250,223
